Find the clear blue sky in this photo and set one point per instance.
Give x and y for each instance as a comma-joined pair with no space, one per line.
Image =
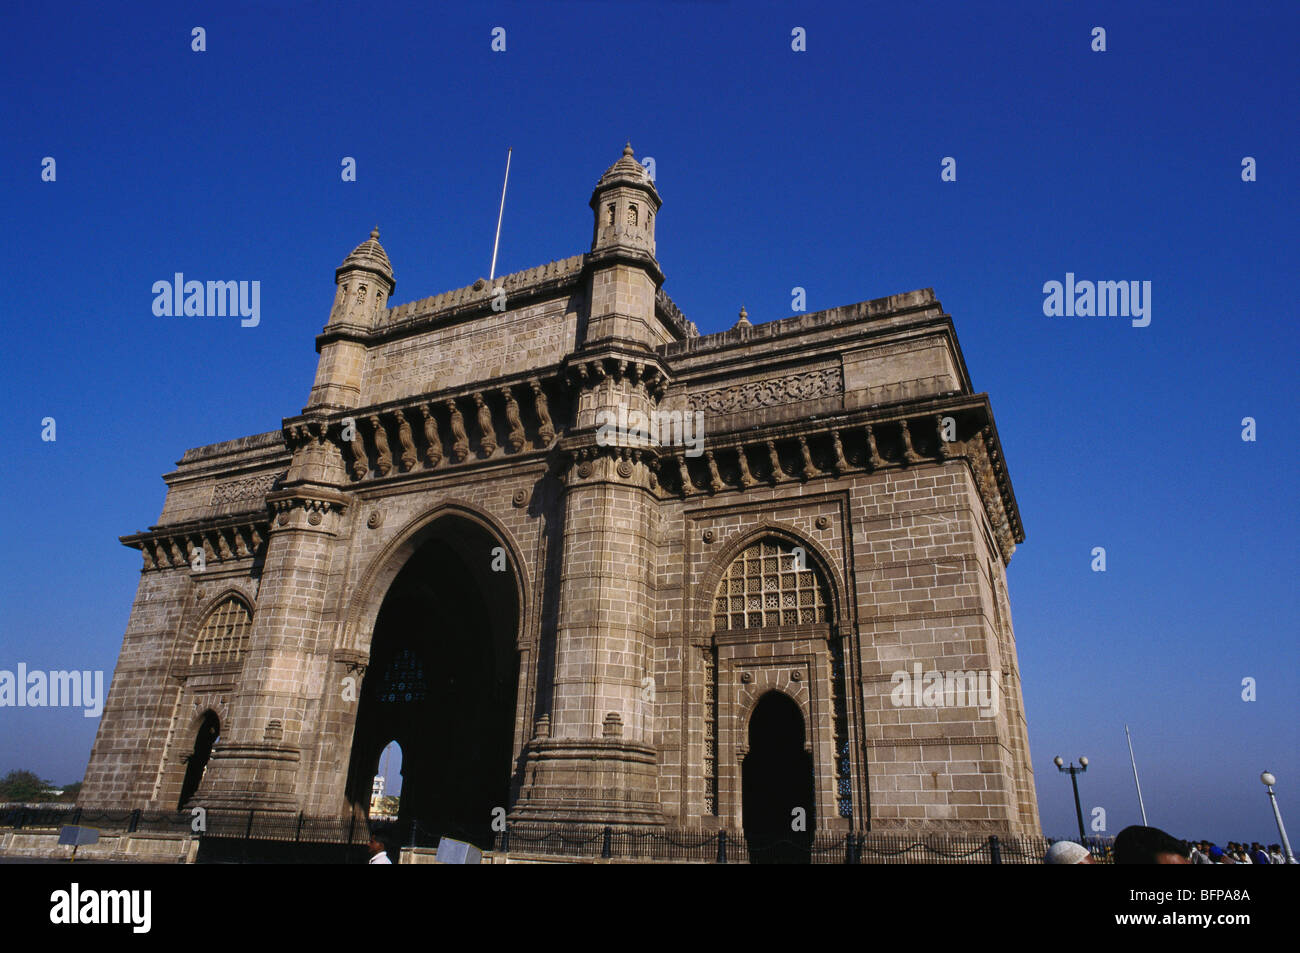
818,169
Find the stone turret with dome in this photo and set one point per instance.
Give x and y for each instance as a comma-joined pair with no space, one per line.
625,203
369,256
364,286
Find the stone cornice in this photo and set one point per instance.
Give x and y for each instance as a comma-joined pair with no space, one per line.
939,740
309,497
624,255
307,506
356,662
223,540
918,303
639,368
231,458
878,438
670,314
256,442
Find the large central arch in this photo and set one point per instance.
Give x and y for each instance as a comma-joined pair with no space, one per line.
442,680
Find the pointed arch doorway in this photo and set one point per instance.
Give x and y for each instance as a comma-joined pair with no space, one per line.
196,763
777,787
442,682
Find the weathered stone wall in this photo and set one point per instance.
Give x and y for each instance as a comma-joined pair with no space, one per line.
922,567
224,478
496,344
150,717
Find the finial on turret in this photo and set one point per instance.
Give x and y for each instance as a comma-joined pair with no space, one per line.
627,149
744,319
369,255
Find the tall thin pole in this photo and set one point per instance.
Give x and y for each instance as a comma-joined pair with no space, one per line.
1133,761
1281,828
496,241
1078,808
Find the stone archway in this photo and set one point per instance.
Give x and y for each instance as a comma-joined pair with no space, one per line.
196,762
777,783
442,681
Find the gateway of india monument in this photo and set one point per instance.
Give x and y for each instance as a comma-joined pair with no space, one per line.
788,595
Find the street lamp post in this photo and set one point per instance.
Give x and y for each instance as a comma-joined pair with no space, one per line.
1074,779
1269,781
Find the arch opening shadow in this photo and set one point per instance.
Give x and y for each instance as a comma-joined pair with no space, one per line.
196,762
777,782
442,683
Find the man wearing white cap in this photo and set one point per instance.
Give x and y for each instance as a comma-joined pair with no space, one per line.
1068,852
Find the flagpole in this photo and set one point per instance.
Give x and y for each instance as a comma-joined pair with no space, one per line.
1133,761
496,241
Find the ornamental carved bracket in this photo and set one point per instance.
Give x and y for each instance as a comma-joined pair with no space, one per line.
445,430
636,372
791,453
311,506
631,465
353,661
303,432
198,545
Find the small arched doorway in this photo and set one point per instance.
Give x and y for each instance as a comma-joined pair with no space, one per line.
196,762
386,791
777,784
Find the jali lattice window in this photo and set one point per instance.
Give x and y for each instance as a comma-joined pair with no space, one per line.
404,680
710,730
771,583
225,634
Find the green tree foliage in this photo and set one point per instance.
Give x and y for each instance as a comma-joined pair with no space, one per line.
19,785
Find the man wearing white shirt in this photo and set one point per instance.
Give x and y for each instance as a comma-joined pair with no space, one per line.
378,850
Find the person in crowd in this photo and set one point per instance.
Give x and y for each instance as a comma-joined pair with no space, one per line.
378,847
1150,845
1220,856
1068,852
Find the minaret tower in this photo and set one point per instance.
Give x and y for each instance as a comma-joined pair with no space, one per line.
624,271
594,759
365,284
275,718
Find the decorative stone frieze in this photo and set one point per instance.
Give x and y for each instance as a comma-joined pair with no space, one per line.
249,488
752,395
